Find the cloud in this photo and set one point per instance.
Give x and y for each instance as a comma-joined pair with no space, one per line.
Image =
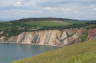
76,9
94,9
18,4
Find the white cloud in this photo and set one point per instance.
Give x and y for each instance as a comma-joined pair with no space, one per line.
19,3
81,9
94,9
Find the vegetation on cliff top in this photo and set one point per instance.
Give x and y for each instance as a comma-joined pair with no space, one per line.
18,26
84,52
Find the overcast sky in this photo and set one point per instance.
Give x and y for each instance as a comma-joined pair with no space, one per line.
75,9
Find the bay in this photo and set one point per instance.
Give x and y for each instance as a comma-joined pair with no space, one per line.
11,52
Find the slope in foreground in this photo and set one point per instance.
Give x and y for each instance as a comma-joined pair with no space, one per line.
78,53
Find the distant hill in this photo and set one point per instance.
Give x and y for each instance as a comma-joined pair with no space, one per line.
46,19
35,24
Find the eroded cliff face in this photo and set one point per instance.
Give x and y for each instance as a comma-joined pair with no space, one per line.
51,37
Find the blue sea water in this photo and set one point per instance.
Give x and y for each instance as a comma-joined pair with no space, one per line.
11,52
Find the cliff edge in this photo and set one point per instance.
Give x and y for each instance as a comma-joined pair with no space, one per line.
52,37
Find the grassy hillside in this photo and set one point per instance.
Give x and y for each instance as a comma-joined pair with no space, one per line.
84,52
33,24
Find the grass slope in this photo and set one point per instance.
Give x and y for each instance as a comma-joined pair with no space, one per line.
48,23
78,53
35,24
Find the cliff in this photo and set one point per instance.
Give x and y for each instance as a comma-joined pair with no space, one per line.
51,37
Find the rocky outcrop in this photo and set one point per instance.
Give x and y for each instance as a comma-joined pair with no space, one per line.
51,37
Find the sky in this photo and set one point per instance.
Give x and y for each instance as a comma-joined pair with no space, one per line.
73,9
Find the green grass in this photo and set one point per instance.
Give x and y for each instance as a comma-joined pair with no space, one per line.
20,26
84,52
48,23
53,23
